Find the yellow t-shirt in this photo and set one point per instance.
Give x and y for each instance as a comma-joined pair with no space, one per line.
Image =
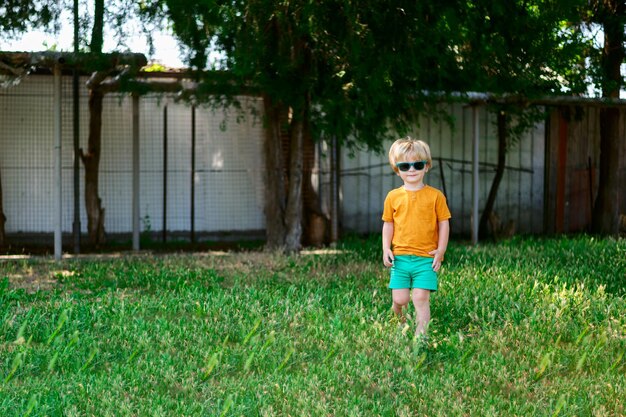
415,216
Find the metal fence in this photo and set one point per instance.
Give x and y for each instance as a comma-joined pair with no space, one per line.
201,170
200,174
367,177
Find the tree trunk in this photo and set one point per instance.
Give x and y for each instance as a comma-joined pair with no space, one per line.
3,218
97,32
315,222
293,212
283,193
606,208
483,228
275,195
605,219
91,161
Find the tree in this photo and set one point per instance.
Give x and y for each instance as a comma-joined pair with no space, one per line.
356,68
108,72
99,84
533,55
18,16
345,68
91,158
611,14
542,52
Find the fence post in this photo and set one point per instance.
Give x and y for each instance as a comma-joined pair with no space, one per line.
75,99
192,215
475,173
58,212
164,226
334,190
135,209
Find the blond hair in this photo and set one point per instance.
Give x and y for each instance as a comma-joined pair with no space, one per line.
408,149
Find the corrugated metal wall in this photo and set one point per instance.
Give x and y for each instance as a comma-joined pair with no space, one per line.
228,184
366,177
228,176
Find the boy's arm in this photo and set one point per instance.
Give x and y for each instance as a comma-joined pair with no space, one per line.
442,245
387,237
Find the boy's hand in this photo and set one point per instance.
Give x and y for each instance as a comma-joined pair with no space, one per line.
388,257
437,260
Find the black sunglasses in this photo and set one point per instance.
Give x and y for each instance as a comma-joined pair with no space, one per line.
405,166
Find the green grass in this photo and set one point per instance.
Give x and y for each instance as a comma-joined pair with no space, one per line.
528,327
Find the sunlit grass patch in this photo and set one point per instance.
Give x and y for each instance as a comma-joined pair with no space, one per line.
526,327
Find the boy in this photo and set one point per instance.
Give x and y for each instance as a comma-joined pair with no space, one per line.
415,231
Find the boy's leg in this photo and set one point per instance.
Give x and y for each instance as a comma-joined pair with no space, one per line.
421,301
400,299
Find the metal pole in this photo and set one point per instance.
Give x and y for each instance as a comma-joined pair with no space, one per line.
193,173
58,212
334,190
164,227
75,86
443,179
135,172
475,183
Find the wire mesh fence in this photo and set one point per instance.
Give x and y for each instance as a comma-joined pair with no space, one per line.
201,169
213,158
367,177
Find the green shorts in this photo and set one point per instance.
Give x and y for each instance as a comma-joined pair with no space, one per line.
410,271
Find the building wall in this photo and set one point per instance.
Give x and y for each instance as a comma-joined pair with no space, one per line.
228,176
367,177
227,180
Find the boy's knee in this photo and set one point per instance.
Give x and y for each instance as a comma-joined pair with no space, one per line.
401,300
397,306
421,296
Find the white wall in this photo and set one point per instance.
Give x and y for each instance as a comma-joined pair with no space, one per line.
367,177
229,167
228,180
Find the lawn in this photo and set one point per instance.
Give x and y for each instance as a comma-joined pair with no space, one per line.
525,327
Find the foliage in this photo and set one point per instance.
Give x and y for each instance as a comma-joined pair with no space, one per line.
538,53
531,48
371,64
360,66
17,16
610,16
259,333
363,72
120,21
